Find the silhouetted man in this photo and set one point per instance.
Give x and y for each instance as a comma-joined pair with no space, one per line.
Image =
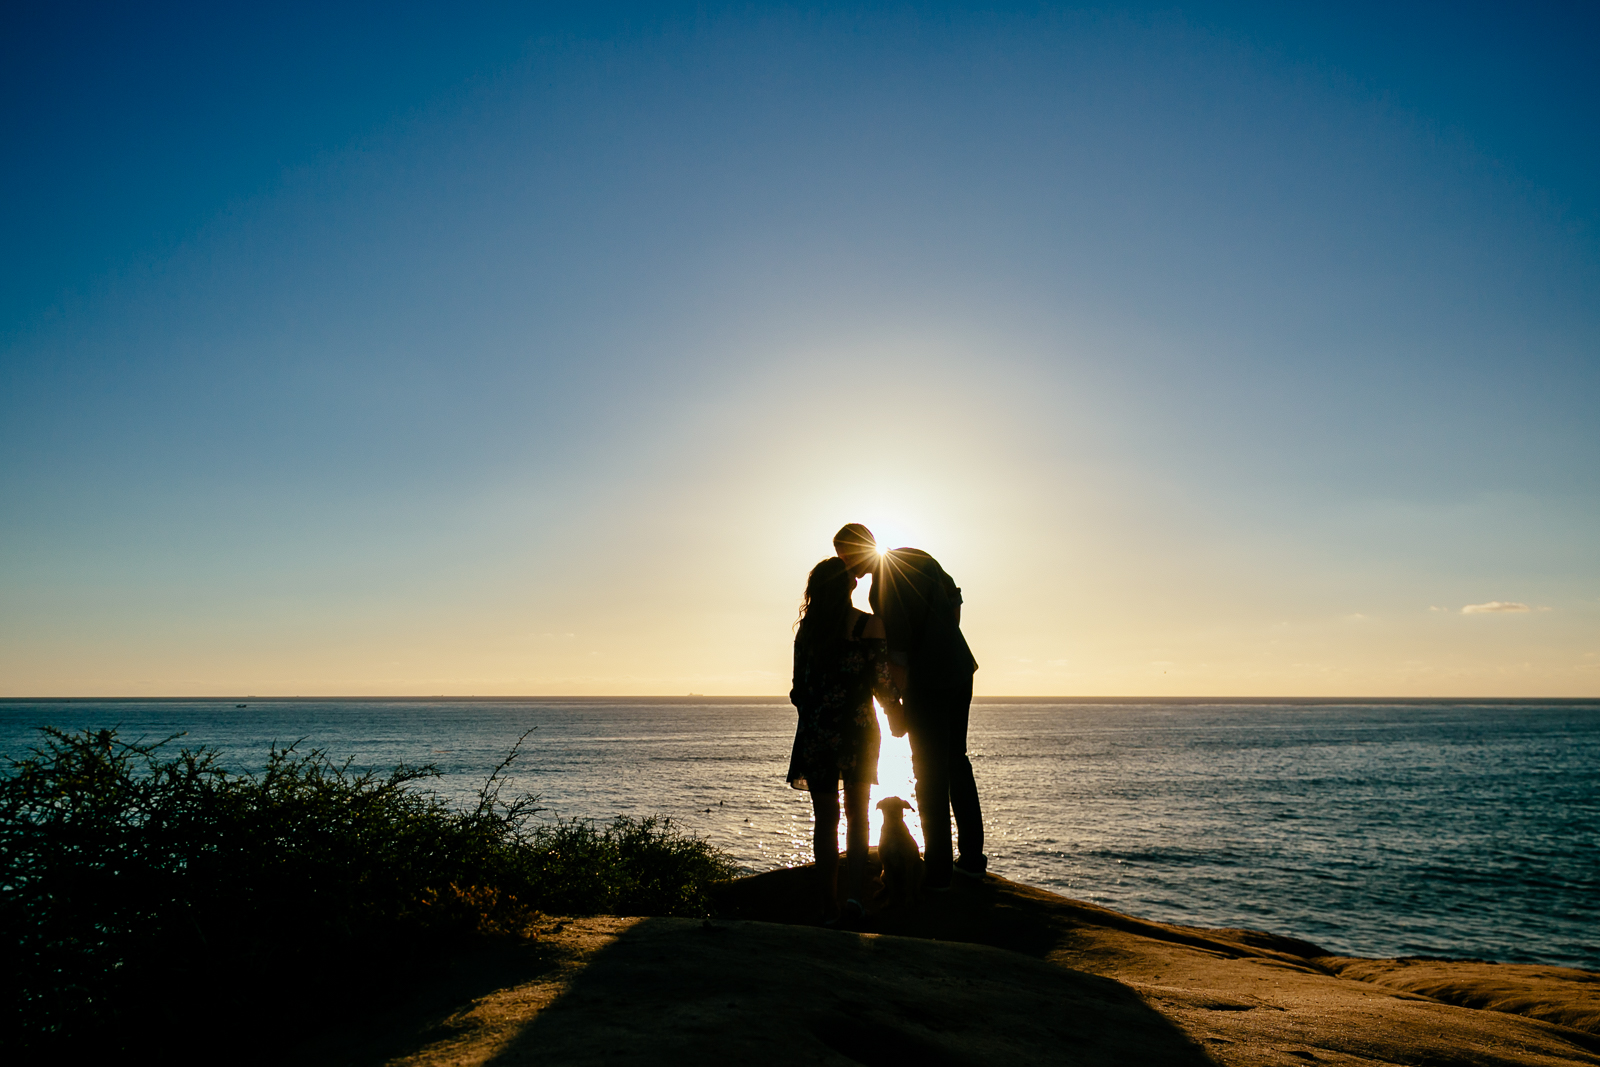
932,666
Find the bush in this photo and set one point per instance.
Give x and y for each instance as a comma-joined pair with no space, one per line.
141,889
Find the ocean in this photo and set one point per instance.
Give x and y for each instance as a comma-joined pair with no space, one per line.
1437,829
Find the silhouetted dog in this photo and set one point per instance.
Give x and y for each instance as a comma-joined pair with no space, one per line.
902,861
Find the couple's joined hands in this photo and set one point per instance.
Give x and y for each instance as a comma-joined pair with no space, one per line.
897,675
895,712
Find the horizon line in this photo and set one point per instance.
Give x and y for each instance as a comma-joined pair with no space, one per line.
700,698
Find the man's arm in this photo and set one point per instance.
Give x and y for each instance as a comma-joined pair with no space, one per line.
953,592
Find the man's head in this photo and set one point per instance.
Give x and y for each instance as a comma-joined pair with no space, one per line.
854,544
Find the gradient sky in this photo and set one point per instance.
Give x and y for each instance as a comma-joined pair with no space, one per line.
1214,349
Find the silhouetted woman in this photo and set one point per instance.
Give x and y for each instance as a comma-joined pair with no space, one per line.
840,661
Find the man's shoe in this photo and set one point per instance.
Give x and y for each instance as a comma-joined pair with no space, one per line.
850,917
972,868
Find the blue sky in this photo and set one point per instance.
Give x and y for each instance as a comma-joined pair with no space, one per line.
1214,349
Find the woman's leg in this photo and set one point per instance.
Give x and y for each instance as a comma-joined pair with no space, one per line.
825,844
857,800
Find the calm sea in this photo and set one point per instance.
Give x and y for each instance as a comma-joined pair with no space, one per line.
1375,830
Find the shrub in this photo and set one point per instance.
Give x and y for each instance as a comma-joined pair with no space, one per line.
143,889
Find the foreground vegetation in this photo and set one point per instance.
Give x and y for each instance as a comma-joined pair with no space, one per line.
145,891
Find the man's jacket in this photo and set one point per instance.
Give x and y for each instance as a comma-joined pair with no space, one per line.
918,602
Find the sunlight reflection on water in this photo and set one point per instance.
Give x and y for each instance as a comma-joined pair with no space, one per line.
894,779
1372,830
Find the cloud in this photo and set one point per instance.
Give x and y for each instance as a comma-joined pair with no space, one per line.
1494,606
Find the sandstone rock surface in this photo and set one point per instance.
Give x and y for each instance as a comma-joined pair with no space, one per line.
991,972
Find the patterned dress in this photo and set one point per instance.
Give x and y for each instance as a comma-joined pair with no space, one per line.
837,735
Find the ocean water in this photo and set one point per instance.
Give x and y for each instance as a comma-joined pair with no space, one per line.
1465,830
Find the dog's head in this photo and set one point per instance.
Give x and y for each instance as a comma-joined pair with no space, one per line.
893,807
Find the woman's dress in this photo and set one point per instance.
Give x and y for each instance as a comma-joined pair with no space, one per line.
837,735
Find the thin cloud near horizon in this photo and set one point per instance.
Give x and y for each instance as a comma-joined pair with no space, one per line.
1495,607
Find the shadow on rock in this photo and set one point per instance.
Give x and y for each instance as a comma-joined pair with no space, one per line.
681,990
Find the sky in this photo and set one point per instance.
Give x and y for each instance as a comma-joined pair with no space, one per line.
540,349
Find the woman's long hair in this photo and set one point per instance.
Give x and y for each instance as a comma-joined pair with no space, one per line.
826,604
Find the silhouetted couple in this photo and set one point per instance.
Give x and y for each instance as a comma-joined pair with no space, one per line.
909,652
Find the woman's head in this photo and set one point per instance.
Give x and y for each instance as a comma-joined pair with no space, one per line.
826,601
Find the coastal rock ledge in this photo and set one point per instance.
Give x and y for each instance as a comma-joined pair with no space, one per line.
992,972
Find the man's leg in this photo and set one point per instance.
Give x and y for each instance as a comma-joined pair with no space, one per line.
963,786
930,757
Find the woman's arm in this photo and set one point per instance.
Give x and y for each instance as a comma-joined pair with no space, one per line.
795,696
